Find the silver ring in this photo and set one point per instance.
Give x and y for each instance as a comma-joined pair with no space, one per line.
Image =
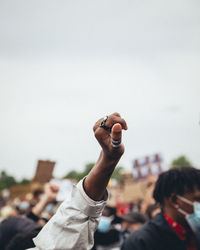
116,143
103,124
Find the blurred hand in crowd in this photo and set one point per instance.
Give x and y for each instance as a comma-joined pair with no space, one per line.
50,192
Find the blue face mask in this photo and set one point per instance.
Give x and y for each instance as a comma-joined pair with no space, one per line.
24,205
194,218
49,208
104,224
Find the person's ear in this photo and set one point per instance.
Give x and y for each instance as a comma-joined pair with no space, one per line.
173,200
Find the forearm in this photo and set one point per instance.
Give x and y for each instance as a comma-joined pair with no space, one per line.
97,180
73,225
39,207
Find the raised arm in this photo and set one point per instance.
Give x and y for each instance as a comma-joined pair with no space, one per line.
74,224
109,136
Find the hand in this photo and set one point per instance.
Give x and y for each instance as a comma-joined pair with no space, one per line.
97,180
105,137
50,192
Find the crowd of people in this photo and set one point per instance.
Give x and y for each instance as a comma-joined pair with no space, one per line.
86,222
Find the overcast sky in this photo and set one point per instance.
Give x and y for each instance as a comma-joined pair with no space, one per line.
64,64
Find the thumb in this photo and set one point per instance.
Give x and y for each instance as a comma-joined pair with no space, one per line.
116,134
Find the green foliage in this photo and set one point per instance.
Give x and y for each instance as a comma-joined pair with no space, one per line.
79,175
6,181
117,174
87,169
24,182
181,161
72,175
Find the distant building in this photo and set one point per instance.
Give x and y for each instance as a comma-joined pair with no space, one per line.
147,166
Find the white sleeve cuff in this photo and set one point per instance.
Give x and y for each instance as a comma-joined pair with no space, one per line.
87,198
81,201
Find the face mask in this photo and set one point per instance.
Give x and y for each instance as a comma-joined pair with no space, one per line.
49,208
192,219
24,205
104,224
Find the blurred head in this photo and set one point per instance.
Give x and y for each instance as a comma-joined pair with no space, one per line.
174,188
37,194
29,197
132,221
23,241
10,227
23,207
106,219
7,212
152,210
109,211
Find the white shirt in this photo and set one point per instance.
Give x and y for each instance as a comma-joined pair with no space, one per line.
73,225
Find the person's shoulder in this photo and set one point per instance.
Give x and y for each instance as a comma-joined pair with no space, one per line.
149,228
146,231
144,237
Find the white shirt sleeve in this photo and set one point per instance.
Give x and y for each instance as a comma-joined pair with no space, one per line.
73,225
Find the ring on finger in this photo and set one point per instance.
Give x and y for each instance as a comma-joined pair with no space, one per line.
103,124
116,143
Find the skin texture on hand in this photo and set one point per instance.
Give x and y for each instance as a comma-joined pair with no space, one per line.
97,180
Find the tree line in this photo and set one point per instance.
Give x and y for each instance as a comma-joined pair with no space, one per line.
7,181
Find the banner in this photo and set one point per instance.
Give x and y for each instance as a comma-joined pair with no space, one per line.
147,166
44,171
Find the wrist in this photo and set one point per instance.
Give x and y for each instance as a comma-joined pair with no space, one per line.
109,160
46,200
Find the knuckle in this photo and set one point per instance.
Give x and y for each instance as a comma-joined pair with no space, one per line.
96,133
116,114
94,127
123,121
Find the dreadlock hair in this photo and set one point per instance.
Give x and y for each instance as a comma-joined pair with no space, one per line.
176,180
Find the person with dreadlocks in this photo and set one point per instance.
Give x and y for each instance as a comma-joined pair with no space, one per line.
177,227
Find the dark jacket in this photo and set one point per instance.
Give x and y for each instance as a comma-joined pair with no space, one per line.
156,235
